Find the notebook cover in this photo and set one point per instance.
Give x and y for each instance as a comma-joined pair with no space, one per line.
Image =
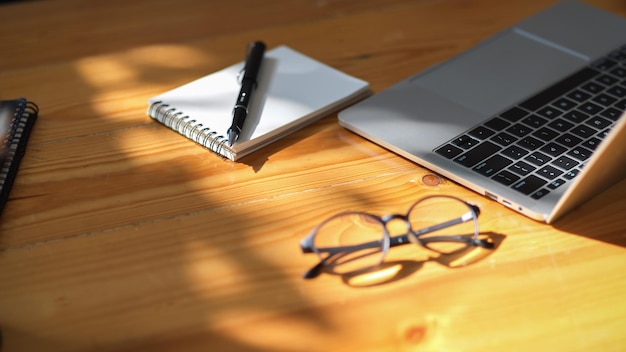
17,118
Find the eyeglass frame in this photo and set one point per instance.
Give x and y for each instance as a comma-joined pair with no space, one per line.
307,246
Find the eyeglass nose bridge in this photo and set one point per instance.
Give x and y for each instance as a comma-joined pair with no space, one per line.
390,217
408,235
386,219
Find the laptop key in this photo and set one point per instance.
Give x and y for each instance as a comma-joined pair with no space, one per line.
537,158
540,194
553,149
565,163
556,183
604,133
529,184
617,91
604,100
583,131
580,153
579,96
481,132
598,122
593,87
560,125
497,124
506,178
522,168
590,108
514,152
568,140
564,104
465,142
545,134
576,116
603,64
620,72
534,121
607,80
549,172
530,143
514,114
571,174
549,112
519,130
492,165
449,151
592,143
612,114
477,154
503,139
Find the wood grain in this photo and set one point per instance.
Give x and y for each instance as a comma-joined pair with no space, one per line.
122,236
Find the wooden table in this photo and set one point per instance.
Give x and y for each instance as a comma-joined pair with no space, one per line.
122,236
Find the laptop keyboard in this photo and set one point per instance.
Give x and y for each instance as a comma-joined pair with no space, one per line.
543,142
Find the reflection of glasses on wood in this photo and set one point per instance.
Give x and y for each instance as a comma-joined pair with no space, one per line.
353,242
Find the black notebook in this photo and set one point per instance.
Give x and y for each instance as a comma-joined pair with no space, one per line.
17,118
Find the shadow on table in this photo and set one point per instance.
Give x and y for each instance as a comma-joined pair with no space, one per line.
395,270
602,218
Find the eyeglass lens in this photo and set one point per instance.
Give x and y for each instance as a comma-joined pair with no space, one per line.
432,212
360,238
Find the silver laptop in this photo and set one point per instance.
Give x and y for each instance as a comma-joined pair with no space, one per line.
531,117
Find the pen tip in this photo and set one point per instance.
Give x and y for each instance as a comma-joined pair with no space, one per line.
232,138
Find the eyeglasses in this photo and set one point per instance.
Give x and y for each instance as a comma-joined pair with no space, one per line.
353,242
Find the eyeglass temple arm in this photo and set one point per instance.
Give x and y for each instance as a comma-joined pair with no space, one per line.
460,238
317,269
464,218
343,249
314,271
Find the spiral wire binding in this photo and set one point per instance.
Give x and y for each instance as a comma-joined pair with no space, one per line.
190,128
24,114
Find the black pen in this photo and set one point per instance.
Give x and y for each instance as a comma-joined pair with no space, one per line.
254,56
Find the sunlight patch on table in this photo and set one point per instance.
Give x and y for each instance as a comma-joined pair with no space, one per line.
120,69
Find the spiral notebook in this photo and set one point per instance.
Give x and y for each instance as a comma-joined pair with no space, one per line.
293,91
17,118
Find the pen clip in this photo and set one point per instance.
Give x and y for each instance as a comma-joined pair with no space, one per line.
245,65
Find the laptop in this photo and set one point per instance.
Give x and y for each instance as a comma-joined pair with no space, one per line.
532,117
